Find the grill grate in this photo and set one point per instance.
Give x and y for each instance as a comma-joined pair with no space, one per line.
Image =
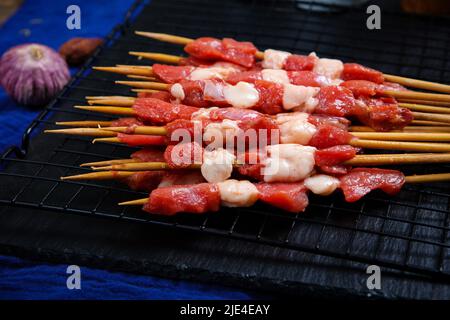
409,232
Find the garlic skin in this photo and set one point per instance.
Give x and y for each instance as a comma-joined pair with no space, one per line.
32,74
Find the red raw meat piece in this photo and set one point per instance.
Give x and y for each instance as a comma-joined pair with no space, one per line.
335,101
361,87
329,136
161,112
287,196
354,71
199,198
137,140
183,155
171,74
126,122
360,181
241,53
334,155
296,62
150,155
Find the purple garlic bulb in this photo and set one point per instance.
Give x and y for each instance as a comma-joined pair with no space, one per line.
32,74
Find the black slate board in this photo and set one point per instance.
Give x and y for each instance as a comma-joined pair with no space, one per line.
35,219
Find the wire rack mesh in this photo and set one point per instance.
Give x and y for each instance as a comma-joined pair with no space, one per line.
408,232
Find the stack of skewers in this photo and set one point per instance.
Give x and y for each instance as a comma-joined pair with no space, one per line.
230,125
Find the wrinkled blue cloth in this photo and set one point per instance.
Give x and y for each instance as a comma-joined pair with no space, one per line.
44,21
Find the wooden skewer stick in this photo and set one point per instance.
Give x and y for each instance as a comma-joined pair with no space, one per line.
397,159
127,70
428,123
403,136
108,162
109,109
108,135
427,85
143,78
426,102
420,84
417,95
107,97
160,57
107,140
405,129
85,124
134,66
145,85
144,90
140,166
402,94
112,102
138,202
148,130
106,175
432,117
424,108
358,160
400,145
422,178
90,132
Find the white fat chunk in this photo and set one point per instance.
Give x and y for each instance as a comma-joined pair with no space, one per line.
241,95
210,73
217,165
299,97
277,76
274,59
234,193
176,90
288,163
218,133
203,113
330,68
296,129
322,184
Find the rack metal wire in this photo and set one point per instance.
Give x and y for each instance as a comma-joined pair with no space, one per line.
408,232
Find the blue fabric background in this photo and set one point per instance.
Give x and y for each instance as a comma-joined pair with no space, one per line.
45,22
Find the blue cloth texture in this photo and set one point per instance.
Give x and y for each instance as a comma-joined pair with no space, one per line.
44,21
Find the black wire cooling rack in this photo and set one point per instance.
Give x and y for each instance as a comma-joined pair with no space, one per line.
408,232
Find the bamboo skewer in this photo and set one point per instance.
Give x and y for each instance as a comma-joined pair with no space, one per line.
121,111
403,136
106,175
147,130
85,124
422,178
108,162
112,102
145,85
395,94
426,102
363,140
148,72
107,140
428,123
431,117
400,145
358,160
424,108
427,85
90,132
420,84
160,57
405,129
